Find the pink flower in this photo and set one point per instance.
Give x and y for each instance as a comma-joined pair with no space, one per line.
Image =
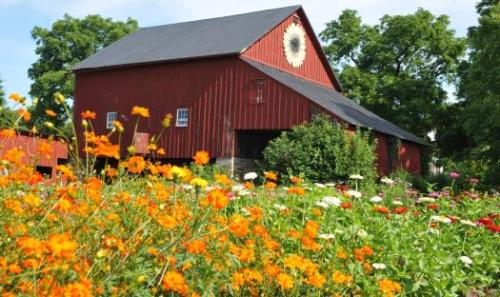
454,175
473,181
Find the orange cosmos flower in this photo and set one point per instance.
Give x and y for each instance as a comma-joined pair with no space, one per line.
175,282
166,221
296,180
311,229
50,113
381,209
140,111
135,164
217,198
196,247
7,133
16,97
296,190
223,179
45,149
341,279
316,280
61,245
30,246
25,114
238,225
88,115
388,287
270,185
285,281
201,158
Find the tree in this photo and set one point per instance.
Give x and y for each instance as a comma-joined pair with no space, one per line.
398,68
479,87
69,41
321,151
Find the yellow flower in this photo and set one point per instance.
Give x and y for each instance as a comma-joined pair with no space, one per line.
178,172
59,98
167,120
285,281
140,111
199,182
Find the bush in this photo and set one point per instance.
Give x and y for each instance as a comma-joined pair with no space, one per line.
321,151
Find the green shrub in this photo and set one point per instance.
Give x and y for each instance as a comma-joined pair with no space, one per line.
321,151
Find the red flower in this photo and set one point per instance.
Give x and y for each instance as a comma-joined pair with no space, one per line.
400,210
432,206
346,205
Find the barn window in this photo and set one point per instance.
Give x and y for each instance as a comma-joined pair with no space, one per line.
296,19
257,91
110,117
182,117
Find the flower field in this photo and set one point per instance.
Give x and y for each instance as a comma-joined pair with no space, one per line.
151,229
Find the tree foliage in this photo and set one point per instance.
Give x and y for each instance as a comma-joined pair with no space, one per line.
321,151
2,93
397,68
67,42
479,87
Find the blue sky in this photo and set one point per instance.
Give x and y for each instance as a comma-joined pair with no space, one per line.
18,17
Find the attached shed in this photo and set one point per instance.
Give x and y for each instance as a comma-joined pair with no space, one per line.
232,84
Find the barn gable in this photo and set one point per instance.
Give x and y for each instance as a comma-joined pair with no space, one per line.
269,50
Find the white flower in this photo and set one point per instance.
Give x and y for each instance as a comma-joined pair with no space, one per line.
244,193
187,187
280,207
466,260
326,236
237,188
441,219
338,231
397,202
356,176
376,199
334,201
353,193
362,233
387,181
321,186
246,212
322,204
331,185
378,266
469,223
250,176
426,199
209,188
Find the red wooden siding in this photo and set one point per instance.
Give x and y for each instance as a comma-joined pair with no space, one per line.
410,157
216,91
269,50
383,167
30,146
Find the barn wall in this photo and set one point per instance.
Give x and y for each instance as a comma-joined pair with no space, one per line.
269,50
30,146
410,157
216,91
382,155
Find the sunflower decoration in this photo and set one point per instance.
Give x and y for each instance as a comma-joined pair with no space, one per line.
294,44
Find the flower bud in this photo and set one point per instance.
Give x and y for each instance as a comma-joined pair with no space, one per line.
49,125
59,98
131,149
85,124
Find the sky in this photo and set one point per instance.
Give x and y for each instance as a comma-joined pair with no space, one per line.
18,17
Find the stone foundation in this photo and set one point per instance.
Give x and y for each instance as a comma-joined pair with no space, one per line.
237,166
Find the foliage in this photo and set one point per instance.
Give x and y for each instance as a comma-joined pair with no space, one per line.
397,68
67,42
321,150
480,88
2,93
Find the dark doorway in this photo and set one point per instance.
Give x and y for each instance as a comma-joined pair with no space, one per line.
251,143
44,170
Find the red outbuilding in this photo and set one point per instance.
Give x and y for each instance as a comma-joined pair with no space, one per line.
232,84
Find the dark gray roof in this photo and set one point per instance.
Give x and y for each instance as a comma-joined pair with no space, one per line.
336,103
196,39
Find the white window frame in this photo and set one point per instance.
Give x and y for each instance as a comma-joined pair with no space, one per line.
110,117
182,117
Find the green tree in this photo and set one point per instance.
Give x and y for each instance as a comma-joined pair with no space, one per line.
69,41
321,151
398,68
2,94
479,87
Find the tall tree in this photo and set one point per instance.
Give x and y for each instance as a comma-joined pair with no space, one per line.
398,68
479,88
69,41
2,93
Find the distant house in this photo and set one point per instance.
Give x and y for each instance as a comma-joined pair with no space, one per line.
232,84
43,154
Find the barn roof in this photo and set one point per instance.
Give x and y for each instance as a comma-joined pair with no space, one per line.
336,103
189,40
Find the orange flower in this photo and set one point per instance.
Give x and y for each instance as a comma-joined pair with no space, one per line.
30,246
25,114
388,287
201,158
217,198
271,175
45,149
196,247
50,113
311,229
7,133
175,282
88,115
238,226
362,252
270,185
316,280
61,245
223,179
135,164
166,221
381,209
140,111
341,279
296,190
16,97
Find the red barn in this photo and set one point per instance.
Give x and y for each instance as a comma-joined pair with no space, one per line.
232,84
